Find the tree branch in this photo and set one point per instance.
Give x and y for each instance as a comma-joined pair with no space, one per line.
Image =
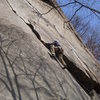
75,13
92,9
57,7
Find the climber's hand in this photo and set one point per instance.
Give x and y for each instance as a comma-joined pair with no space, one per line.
53,55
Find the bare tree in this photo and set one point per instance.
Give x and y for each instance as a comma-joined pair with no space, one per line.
79,5
93,44
89,36
81,27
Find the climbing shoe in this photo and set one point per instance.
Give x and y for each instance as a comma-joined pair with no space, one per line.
65,67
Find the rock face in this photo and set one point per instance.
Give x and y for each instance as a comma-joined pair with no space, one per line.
27,72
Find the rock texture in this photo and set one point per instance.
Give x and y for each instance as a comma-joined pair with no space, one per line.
27,72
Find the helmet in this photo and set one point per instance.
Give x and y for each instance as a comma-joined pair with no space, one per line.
56,43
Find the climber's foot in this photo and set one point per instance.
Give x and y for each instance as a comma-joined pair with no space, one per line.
65,67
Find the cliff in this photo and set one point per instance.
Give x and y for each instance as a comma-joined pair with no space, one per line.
27,72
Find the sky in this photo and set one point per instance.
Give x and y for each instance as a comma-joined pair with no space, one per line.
85,14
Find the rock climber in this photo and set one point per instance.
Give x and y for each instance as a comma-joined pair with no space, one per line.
56,51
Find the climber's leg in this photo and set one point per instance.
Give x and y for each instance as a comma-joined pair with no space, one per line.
60,57
52,50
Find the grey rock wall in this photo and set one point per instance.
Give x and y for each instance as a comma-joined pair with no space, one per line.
27,72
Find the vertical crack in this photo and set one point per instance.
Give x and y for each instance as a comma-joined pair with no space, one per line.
14,10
